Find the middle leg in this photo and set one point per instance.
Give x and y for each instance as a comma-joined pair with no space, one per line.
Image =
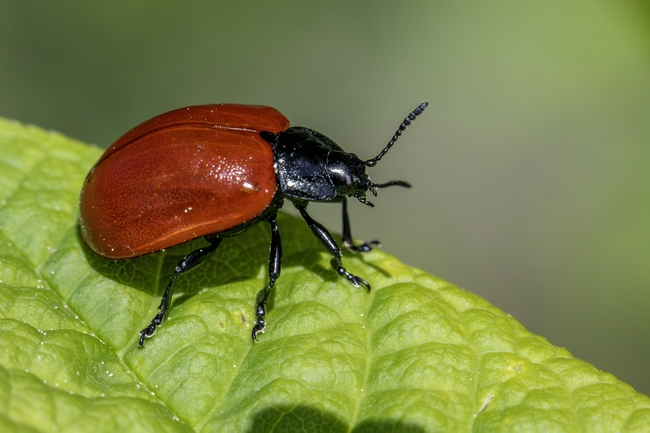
275,263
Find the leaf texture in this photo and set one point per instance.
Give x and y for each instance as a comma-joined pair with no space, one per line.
417,354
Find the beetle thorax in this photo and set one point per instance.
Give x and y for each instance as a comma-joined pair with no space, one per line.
311,167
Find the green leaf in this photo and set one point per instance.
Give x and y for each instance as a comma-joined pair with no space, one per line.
416,354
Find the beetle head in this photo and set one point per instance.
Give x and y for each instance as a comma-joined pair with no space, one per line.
348,175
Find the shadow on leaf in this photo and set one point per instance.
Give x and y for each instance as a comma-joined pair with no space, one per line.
307,419
237,259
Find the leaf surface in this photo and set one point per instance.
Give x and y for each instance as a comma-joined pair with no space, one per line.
416,354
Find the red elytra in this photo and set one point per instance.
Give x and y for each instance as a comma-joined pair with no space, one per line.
184,174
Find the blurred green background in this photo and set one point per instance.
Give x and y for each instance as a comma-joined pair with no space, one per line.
530,168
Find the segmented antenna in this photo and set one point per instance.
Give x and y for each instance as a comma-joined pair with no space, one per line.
391,183
409,119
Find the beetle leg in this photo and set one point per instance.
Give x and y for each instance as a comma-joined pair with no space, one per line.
326,238
275,262
348,243
192,260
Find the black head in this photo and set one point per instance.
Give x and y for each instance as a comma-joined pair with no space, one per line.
348,175
309,166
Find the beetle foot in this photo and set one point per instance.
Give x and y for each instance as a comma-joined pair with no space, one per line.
363,248
151,329
259,327
260,324
356,281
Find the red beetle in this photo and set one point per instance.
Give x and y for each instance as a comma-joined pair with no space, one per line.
215,171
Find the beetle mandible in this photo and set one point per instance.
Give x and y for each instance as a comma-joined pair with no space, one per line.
216,171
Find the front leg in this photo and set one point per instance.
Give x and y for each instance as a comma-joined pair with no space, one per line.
326,238
275,263
348,243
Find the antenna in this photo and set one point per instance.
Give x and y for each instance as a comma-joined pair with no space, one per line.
407,121
391,183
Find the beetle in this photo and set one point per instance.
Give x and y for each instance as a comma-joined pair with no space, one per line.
214,171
